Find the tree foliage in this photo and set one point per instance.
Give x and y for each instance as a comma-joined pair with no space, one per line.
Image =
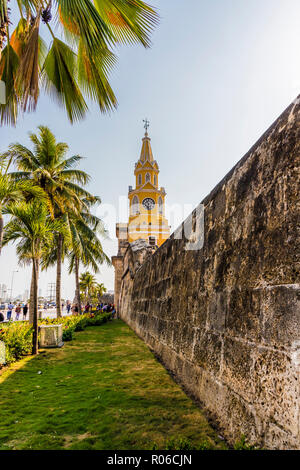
76,63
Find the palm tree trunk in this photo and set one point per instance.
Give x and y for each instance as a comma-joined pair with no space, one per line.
35,307
31,303
58,276
77,290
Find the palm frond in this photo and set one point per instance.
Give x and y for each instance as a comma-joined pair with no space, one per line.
8,69
75,175
86,22
59,74
69,162
93,70
130,21
25,158
77,189
27,78
19,37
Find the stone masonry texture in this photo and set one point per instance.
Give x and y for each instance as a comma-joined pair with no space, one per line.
226,319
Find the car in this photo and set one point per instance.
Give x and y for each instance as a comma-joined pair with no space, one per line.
2,306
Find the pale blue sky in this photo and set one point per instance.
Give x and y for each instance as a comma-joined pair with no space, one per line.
218,74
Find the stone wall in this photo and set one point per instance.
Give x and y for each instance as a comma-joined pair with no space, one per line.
226,319
107,298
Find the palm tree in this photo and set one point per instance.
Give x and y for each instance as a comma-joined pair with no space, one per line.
47,166
31,226
100,289
11,191
67,70
86,246
87,282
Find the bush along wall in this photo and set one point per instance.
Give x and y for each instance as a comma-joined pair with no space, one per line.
17,336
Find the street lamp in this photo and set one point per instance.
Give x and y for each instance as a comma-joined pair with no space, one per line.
12,280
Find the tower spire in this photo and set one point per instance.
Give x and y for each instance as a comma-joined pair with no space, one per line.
146,126
146,153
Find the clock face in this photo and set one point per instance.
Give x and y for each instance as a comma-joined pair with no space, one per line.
149,203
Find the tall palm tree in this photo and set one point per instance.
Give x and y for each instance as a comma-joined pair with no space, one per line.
100,289
48,167
87,282
86,246
11,191
67,70
32,228
93,256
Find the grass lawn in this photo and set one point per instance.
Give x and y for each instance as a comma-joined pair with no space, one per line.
103,390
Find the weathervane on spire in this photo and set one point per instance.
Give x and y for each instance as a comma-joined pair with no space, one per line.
146,125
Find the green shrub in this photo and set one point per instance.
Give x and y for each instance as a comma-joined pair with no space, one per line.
18,340
81,324
17,336
68,334
98,319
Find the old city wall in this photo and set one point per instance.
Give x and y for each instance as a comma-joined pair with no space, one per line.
225,319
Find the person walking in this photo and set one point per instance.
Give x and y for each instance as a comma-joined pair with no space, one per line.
68,306
18,311
9,311
113,311
25,310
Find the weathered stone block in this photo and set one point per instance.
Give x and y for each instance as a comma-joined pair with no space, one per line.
281,315
240,419
207,351
277,438
276,389
217,308
244,315
237,367
176,344
200,306
187,341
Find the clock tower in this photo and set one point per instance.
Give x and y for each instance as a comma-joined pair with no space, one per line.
147,201
147,219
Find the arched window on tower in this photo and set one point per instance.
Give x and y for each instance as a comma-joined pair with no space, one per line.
135,205
139,180
148,177
155,180
160,205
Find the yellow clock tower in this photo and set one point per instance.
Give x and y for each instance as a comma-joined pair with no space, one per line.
147,201
146,210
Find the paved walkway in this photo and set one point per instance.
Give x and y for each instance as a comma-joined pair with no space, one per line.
46,313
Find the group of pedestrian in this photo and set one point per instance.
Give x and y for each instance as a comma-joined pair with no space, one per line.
88,308
74,309
109,308
18,309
